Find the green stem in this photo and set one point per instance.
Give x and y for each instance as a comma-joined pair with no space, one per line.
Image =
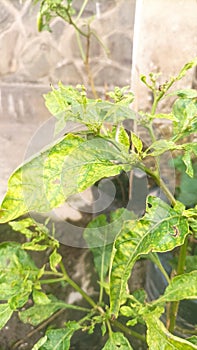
155,259
80,46
129,331
70,21
76,287
180,270
101,287
52,280
81,10
52,273
155,104
160,183
109,328
151,132
105,48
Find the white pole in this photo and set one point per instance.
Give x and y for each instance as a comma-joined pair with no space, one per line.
136,43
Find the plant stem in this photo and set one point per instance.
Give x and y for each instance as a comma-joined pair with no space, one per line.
52,280
109,328
81,10
74,25
129,331
80,46
76,287
180,270
154,106
160,183
95,306
155,259
87,63
151,132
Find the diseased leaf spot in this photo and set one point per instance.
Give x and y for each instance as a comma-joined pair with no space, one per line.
176,231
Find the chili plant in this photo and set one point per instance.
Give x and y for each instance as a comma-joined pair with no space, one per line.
75,162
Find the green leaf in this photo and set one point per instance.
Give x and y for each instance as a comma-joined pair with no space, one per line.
54,260
59,339
26,186
40,297
5,314
117,341
193,339
161,146
23,226
169,116
135,307
99,235
40,342
92,161
160,230
185,111
20,299
122,137
181,287
69,167
187,93
158,335
190,147
136,142
17,273
40,312
186,67
188,163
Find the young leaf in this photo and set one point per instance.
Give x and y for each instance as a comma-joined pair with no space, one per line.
188,163
40,297
181,287
5,314
54,260
71,104
23,226
137,142
17,273
186,67
161,229
59,339
50,178
122,137
158,335
117,341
